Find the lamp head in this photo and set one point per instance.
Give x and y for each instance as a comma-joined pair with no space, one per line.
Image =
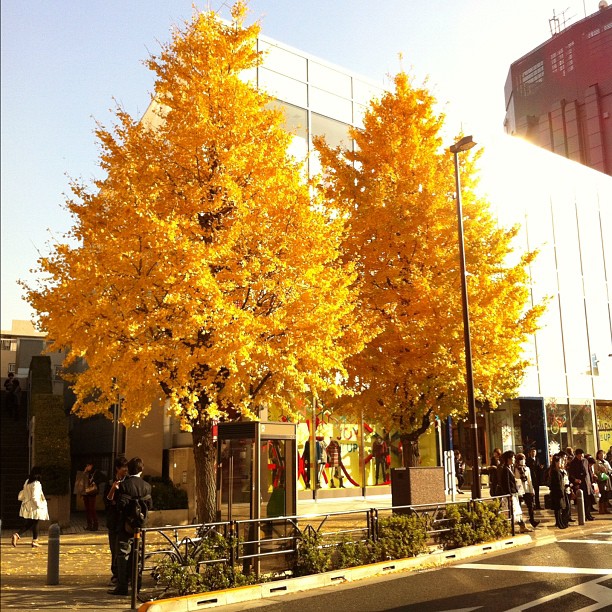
464,144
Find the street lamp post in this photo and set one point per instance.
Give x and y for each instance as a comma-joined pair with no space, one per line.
465,144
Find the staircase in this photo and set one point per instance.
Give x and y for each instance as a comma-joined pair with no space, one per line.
14,455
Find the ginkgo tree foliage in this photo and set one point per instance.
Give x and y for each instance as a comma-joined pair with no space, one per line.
396,190
200,269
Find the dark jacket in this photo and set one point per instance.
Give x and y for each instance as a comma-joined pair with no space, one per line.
507,481
578,469
557,490
536,469
131,487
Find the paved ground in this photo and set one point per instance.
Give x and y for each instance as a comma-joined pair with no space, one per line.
85,561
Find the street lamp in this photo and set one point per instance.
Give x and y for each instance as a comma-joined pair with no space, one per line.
465,144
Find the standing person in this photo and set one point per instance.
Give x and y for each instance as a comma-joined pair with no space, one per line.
90,492
459,470
580,478
13,395
569,455
306,460
567,489
33,507
507,483
558,498
524,484
493,469
126,492
609,456
112,514
380,450
603,473
537,473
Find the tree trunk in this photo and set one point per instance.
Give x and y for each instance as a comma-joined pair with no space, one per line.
205,458
411,456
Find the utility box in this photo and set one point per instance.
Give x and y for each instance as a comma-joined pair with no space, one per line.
414,486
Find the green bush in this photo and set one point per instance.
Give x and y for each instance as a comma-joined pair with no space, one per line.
401,536
310,556
352,554
480,522
166,495
198,576
55,479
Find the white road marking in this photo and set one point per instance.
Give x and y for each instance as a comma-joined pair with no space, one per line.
585,541
545,569
600,595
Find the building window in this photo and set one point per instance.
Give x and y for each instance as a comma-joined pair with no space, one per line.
9,345
12,367
532,78
562,61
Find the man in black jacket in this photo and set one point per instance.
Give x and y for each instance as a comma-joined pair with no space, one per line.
112,514
537,472
580,478
132,487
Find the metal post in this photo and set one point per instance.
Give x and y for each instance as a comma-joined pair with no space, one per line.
463,145
135,567
580,506
53,550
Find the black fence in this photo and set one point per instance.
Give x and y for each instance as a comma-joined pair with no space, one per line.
266,547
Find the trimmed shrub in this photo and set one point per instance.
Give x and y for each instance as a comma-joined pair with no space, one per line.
401,536
474,524
166,495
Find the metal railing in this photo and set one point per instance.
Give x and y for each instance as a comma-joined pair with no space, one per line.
264,547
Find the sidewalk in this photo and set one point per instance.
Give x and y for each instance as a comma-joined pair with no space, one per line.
85,561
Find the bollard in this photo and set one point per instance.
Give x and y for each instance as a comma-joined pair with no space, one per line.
580,506
53,549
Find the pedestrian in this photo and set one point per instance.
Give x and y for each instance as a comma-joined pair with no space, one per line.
537,474
524,484
380,450
609,456
558,497
580,479
492,471
130,489
507,483
569,455
13,395
112,514
603,473
594,485
33,507
568,491
94,479
459,470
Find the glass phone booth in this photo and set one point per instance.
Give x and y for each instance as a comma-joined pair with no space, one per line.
256,475
257,467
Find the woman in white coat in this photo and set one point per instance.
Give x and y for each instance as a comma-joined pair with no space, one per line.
524,485
33,507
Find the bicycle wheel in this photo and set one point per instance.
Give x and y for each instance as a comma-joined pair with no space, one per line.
153,586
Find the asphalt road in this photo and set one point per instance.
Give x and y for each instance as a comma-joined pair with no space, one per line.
574,573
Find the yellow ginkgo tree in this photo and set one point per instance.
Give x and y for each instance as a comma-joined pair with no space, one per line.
199,269
396,191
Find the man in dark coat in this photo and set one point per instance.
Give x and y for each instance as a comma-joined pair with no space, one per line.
580,478
132,487
537,472
112,514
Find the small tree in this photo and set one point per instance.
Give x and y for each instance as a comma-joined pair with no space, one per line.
396,191
201,271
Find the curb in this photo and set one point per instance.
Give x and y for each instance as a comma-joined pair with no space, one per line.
215,599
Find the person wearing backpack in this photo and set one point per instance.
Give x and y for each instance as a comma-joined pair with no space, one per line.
133,497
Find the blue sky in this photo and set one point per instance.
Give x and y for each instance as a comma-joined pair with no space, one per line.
64,62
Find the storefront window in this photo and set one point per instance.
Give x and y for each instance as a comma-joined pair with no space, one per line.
557,425
581,423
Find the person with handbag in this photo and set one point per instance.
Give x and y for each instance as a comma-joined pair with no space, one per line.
33,507
90,493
